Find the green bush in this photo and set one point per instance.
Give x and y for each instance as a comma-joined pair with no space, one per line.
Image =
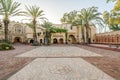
5,46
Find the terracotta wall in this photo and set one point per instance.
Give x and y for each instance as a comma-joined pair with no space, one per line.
108,38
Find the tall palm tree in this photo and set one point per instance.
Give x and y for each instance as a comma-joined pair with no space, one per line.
35,13
8,8
88,16
49,30
78,24
64,20
72,16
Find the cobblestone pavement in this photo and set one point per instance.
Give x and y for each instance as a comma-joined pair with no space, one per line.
67,51
10,64
60,69
68,68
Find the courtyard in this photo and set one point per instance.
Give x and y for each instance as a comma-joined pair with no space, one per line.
59,62
59,40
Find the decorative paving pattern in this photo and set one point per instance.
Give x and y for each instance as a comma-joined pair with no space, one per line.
60,69
51,51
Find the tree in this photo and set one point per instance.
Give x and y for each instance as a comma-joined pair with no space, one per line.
79,23
64,20
117,5
115,27
49,30
8,8
30,25
35,13
88,16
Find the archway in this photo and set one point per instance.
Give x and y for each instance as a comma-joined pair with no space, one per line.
41,41
17,40
72,39
61,41
55,41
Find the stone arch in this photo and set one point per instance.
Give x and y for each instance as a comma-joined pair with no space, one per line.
72,39
55,41
61,41
17,40
41,41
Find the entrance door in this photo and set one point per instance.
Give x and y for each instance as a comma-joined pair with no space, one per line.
61,41
55,41
72,39
17,40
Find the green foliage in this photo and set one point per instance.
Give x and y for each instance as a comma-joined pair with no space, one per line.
48,25
35,13
88,16
30,25
115,27
5,46
3,41
49,29
8,8
59,30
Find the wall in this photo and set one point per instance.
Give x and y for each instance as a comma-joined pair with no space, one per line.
108,38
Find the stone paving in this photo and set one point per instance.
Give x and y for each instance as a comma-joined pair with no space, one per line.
67,51
60,68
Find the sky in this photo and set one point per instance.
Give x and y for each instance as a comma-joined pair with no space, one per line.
54,9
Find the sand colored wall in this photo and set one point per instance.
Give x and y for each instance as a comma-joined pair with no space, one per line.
59,37
26,33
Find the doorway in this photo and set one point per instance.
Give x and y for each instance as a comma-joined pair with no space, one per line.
17,40
55,41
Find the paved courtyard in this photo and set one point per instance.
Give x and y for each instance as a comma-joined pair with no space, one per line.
60,63
66,51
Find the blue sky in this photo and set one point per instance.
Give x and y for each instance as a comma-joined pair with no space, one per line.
54,9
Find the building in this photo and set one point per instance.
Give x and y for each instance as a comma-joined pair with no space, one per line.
20,32
108,38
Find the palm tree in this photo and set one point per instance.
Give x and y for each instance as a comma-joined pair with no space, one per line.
89,16
49,29
35,13
30,25
8,8
78,24
64,20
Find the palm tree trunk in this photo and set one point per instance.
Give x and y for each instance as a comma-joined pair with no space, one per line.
35,43
87,34
6,30
78,34
66,35
34,33
47,38
83,36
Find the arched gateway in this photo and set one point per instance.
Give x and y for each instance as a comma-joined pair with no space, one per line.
17,40
72,39
55,41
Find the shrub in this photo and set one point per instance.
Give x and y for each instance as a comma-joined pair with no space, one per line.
5,46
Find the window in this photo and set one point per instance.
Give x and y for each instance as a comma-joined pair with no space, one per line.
18,29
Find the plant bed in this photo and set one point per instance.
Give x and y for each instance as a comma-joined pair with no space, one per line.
6,46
